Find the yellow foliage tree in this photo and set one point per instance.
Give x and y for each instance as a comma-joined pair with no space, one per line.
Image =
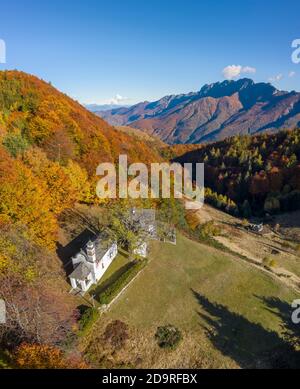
61,191
26,201
80,182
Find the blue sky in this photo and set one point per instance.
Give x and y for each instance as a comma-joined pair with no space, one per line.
95,50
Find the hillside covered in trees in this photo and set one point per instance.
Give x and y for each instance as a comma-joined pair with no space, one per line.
50,147
247,175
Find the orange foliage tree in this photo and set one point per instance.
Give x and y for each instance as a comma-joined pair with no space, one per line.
43,356
25,200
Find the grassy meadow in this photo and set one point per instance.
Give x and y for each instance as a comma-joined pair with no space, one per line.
230,313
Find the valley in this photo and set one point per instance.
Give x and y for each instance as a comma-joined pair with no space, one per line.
149,192
225,289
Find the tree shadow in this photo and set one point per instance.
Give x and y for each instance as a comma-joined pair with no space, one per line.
291,330
65,253
78,229
113,278
74,221
248,344
82,309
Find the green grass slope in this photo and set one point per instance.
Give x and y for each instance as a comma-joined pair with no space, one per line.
230,313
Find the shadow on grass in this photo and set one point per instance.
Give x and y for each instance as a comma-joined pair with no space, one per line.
65,253
113,278
249,344
284,311
79,228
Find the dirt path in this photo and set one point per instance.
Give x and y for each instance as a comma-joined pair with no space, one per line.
234,247
253,247
285,276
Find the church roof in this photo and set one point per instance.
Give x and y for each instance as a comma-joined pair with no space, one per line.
80,272
102,243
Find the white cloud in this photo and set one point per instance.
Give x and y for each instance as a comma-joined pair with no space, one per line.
278,77
234,71
117,100
292,74
249,70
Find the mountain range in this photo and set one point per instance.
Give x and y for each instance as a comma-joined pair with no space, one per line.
217,111
103,107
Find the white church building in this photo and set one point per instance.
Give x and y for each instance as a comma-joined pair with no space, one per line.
92,261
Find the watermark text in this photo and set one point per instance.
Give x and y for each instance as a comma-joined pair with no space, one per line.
164,180
2,51
296,312
296,52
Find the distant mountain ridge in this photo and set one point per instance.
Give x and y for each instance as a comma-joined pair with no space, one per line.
103,107
217,111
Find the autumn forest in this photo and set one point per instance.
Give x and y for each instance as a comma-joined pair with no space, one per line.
50,147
